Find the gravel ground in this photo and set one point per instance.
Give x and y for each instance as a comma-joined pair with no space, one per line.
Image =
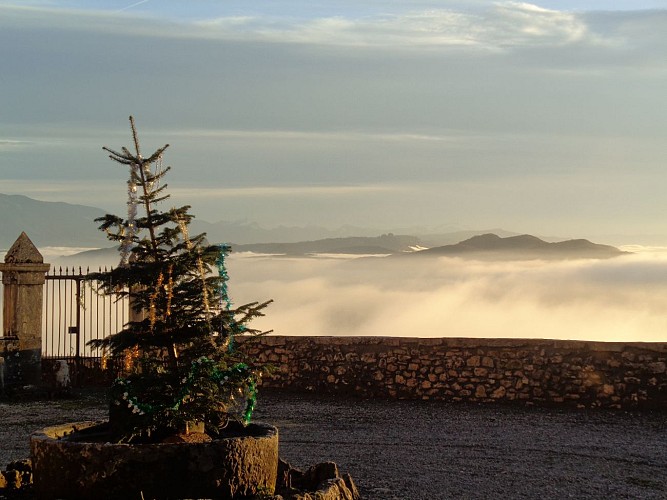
434,450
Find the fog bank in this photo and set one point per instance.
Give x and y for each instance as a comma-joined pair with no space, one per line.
621,299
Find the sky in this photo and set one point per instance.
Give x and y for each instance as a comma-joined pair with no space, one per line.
547,117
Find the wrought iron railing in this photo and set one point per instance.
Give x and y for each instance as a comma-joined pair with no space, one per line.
75,312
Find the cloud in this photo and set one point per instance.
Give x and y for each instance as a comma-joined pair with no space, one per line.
518,23
504,25
8,144
303,135
135,4
33,187
498,26
611,300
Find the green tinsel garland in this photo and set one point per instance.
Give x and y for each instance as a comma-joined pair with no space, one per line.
223,293
238,371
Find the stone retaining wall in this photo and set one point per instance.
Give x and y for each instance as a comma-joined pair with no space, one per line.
584,374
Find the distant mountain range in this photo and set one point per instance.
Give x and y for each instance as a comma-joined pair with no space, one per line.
63,224
481,247
489,246
249,233
492,246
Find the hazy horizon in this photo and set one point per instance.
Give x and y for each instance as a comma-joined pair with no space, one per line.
244,231
610,300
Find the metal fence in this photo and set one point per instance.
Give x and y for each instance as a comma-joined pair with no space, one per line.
75,312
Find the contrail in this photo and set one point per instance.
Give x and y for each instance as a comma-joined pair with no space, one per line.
133,5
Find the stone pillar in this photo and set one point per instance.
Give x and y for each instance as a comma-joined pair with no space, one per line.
23,276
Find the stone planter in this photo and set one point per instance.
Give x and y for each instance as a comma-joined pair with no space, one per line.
73,461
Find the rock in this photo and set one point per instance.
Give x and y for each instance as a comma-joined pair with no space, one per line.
16,479
322,482
56,379
24,465
334,489
607,390
474,361
499,393
488,362
320,473
351,486
12,479
283,478
657,367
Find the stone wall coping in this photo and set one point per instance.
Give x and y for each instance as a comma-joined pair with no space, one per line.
465,342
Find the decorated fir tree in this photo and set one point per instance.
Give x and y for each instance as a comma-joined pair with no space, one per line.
178,349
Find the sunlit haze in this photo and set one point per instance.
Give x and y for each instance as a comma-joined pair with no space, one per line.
620,299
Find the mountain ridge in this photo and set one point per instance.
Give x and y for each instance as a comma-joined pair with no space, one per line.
71,225
58,223
523,246
384,244
49,223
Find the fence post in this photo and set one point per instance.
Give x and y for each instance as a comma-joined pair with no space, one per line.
23,276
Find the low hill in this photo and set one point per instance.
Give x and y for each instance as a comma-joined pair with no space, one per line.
359,245
450,238
492,246
385,244
247,232
93,259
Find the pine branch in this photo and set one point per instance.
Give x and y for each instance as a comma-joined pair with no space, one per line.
134,137
125,157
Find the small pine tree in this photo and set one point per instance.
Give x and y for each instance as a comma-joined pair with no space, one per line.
178,350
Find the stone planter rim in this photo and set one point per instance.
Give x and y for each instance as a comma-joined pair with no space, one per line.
228,467
69,429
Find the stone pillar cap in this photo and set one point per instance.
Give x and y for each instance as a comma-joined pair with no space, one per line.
23,251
